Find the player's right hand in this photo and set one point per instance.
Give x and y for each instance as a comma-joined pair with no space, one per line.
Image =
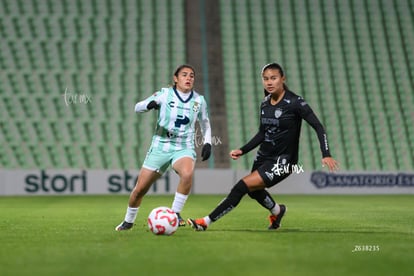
153,105
331,163
235,154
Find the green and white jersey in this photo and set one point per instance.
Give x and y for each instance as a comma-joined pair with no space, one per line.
175,128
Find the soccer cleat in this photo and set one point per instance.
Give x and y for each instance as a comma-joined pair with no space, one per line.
181,221
197,224
275,220
124,226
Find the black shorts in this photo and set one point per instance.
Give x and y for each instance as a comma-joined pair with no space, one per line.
271,171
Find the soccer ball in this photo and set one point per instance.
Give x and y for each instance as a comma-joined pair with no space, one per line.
162,221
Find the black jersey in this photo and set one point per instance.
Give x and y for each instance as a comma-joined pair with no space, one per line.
280,127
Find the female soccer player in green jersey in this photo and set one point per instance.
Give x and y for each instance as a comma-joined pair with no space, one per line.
179,107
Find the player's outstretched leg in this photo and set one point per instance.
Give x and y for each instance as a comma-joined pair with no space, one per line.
228,204
275,221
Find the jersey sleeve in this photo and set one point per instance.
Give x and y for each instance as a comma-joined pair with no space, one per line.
204,122
142,105
306,112
254,142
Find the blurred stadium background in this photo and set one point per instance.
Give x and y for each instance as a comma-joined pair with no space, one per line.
353,61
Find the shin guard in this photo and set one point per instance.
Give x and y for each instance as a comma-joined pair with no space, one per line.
231,201
263,198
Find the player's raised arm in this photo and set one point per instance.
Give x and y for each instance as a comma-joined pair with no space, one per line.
152,102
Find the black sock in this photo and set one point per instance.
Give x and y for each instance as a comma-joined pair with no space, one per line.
263,198
231,201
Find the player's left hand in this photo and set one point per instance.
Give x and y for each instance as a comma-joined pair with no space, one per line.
206,152
153,105
331,163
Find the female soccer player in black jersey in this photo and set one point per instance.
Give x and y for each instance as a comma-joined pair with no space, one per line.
281,115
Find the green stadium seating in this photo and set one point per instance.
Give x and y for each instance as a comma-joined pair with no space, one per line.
116,53
351,60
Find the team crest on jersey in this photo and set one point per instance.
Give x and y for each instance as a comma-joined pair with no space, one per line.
278,112
196,107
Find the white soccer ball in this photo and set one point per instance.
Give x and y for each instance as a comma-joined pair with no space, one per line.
163,221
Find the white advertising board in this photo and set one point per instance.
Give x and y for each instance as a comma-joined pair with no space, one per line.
206,181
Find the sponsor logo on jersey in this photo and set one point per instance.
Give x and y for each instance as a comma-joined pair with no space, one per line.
173,105
181,120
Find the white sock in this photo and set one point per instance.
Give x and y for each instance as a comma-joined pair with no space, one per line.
275,210
179,201
131,214
207,220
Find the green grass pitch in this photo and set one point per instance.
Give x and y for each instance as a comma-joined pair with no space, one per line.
320,235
